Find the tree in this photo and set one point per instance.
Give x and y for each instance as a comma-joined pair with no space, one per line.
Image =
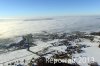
28,40
99,46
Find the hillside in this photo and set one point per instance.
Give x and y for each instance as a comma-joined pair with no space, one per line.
78,46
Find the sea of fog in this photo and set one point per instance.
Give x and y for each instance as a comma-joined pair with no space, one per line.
17,27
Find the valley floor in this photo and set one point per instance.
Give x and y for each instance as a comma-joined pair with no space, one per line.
91,53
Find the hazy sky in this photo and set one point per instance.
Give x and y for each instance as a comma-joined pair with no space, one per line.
48,7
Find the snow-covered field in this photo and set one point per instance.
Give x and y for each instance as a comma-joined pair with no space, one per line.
91,53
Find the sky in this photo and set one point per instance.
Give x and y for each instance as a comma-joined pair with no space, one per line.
17,8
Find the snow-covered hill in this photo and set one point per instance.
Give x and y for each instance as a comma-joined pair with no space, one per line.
81,49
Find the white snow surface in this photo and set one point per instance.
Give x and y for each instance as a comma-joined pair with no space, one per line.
90,52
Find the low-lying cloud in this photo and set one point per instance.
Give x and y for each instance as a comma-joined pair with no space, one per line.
19,27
